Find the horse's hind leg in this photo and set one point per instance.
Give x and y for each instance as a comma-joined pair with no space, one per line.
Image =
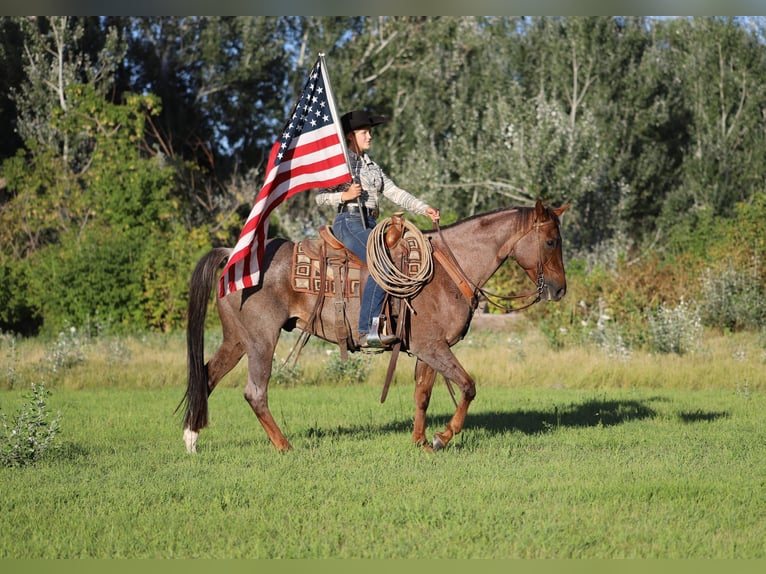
224,360
424,384
257,393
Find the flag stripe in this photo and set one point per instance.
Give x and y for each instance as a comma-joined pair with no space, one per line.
309,154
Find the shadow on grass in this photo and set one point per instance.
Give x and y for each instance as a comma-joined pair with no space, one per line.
701,416
590,413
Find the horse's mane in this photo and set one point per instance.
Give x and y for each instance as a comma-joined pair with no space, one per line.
522,209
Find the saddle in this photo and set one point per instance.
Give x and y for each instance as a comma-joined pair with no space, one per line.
326,268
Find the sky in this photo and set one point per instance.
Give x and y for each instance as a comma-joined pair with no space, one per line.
387,7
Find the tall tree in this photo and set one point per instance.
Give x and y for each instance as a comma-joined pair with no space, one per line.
11,75
222,82
720,68
58,52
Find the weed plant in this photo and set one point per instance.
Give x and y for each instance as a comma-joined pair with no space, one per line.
675,329
9,354
353,370
733,299
67,350
30,432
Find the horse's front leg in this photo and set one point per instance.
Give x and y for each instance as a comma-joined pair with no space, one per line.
455,425
446,363
424,384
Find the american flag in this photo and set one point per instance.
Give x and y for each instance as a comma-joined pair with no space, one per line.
309,154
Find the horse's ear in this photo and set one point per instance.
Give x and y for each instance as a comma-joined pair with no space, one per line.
539,210
559,210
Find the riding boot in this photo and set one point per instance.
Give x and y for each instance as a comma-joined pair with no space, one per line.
374,338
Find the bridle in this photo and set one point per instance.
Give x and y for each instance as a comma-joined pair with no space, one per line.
493,298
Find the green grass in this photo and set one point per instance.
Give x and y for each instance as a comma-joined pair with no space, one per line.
537,473
553,463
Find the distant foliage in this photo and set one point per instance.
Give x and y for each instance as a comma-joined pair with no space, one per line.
733,299
121,167
675,329
351,371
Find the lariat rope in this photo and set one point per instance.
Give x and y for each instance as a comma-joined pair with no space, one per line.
386,273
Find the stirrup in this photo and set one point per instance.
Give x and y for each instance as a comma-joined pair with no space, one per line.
370,341
375,339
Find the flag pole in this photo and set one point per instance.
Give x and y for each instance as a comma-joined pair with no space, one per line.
339,128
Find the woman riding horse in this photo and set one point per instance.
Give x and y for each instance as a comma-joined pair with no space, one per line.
357,205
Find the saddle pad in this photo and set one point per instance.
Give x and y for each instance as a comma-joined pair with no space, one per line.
306,276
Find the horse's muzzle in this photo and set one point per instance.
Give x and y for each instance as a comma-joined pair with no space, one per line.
554,292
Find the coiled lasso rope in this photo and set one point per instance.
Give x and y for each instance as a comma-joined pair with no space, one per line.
384,270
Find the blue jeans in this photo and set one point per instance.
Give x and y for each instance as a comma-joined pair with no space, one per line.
348,228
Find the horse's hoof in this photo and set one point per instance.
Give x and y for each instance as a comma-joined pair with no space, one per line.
437,443
190,439
423,443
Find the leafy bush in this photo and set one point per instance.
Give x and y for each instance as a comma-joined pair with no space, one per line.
284,373
733,299
26,438
675,329
17,312
607,335
353,370
67,351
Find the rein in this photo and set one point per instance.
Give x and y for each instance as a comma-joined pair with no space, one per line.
493,297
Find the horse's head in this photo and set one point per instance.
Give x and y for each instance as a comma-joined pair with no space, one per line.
538,252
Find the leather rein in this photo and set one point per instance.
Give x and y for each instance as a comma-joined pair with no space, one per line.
472,291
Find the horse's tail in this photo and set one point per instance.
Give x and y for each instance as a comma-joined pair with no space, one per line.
202,280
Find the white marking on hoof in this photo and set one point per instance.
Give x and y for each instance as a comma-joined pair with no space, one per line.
190,438
437,443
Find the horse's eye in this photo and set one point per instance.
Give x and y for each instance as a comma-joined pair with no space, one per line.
550,242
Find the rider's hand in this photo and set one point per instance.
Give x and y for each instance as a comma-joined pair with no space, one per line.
433,214
353,191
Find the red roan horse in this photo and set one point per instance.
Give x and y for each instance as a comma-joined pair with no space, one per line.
252,319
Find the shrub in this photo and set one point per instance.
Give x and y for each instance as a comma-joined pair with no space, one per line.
30,434
67,351
675,329
608,336
353,370
733,299
284,373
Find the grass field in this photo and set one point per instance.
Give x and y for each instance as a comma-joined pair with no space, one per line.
564,455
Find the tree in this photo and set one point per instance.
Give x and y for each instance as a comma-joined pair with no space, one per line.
719,67
11,74
85,229
223,83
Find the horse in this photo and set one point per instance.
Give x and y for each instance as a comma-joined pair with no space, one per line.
469,252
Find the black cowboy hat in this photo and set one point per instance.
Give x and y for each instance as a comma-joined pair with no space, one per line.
359,119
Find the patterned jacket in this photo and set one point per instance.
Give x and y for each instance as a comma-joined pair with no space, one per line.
374,182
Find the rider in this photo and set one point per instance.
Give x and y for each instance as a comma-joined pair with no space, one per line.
357,211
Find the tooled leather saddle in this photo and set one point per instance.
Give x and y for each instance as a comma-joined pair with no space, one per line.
326,268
